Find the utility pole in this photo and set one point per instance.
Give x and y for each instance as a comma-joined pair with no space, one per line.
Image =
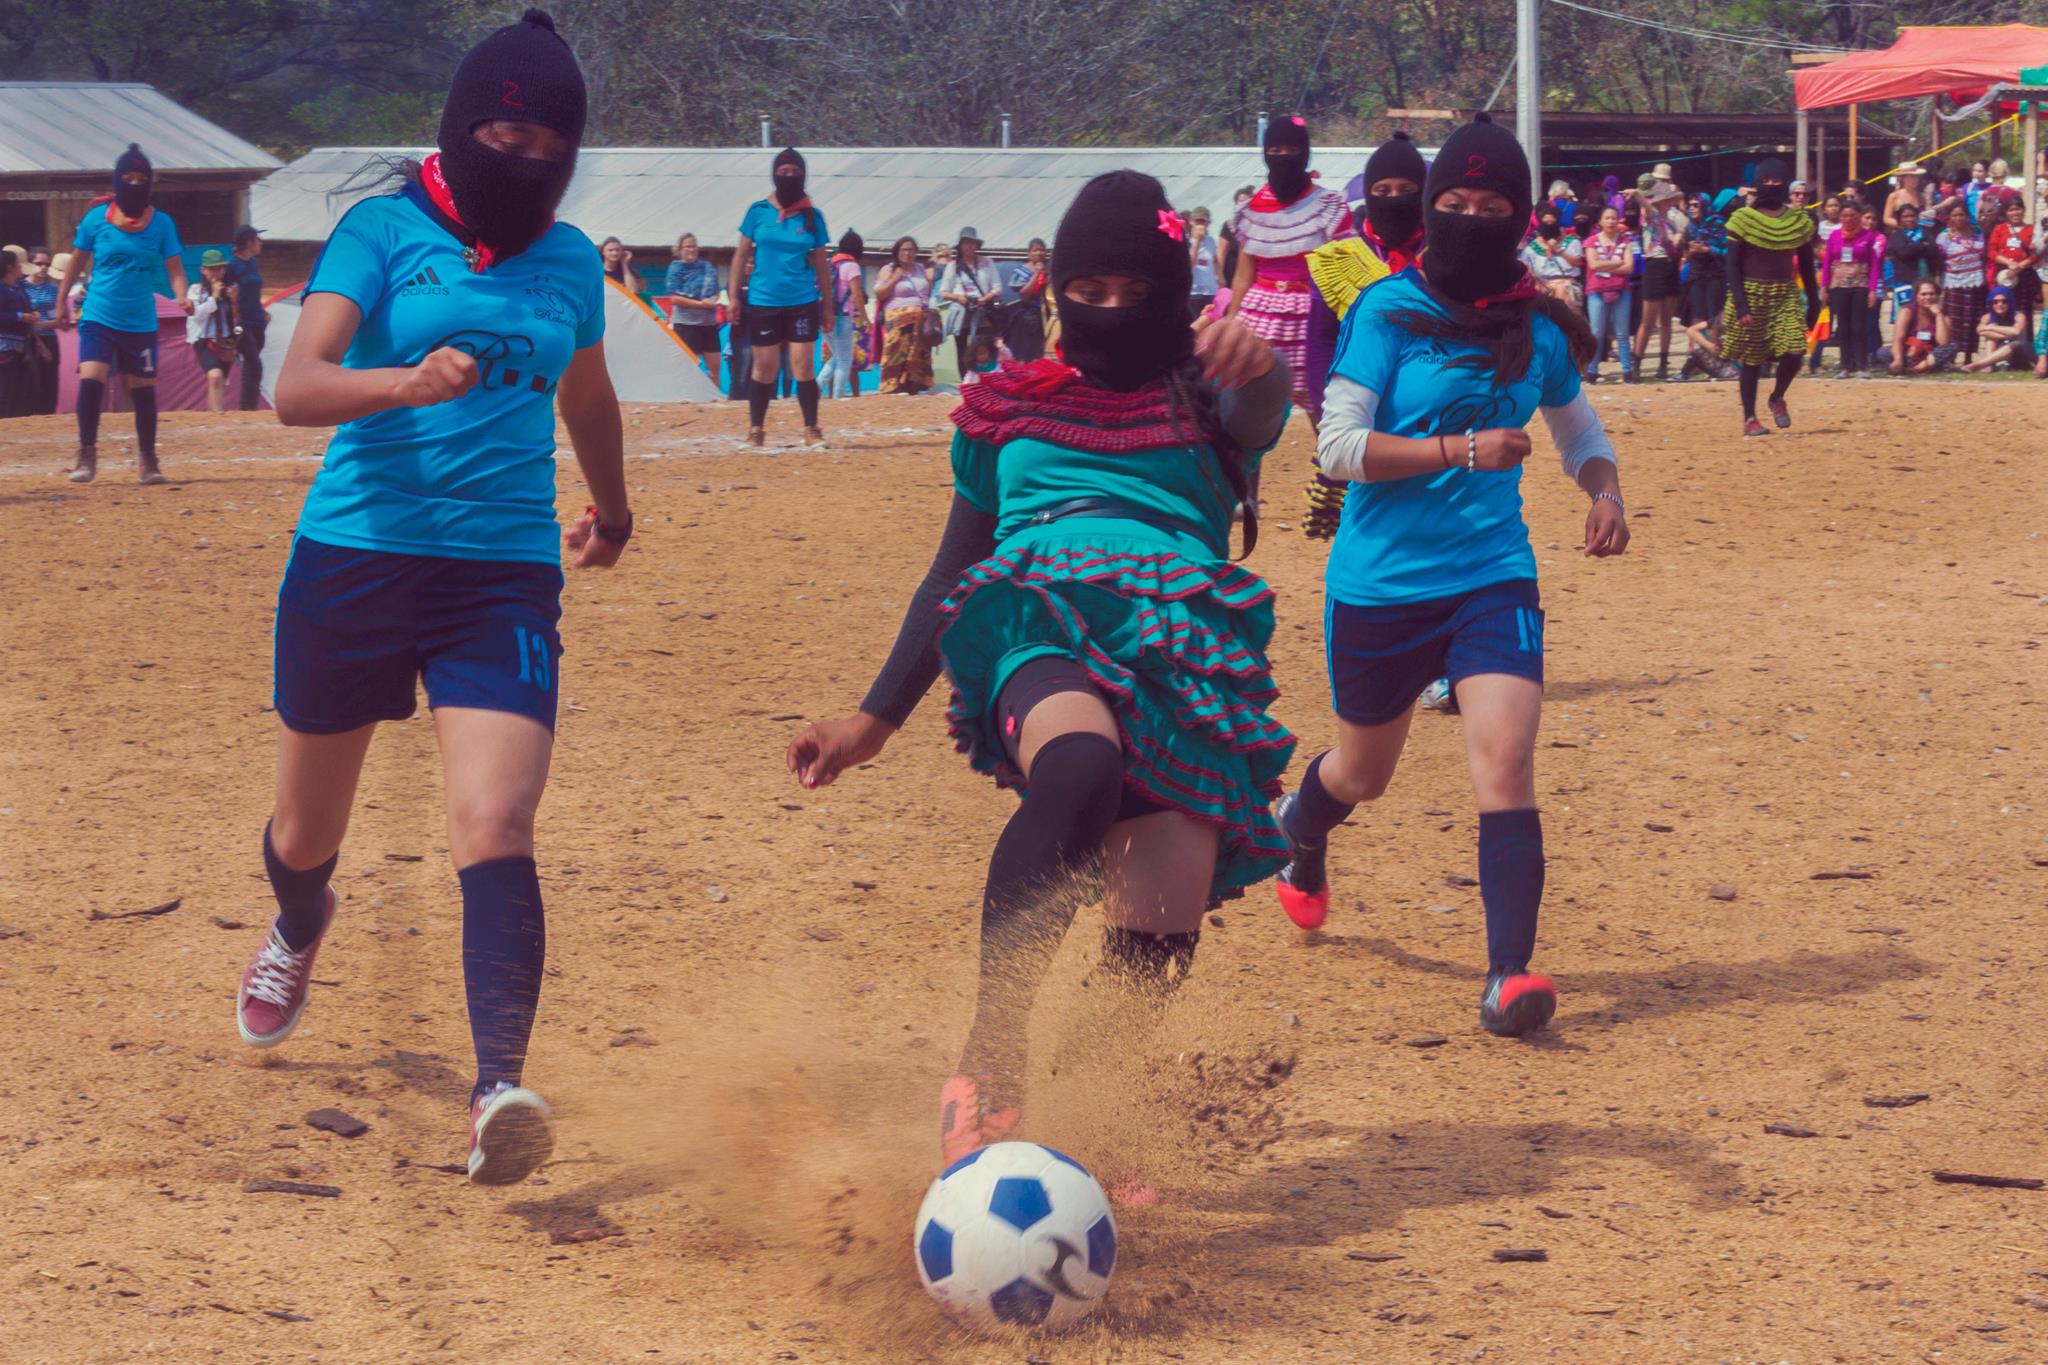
1529,91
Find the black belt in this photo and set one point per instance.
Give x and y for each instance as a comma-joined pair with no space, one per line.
1124,511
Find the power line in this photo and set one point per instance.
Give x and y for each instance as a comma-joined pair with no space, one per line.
1708,34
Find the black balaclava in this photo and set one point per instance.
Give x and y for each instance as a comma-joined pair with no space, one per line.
789,189
1773,196
1288,175
850,243
1119,225
1395,218
524,73
1466,255
133,199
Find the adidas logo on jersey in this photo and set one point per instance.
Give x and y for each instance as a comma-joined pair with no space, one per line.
426,282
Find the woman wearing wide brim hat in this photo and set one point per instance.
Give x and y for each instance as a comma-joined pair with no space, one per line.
971,283
1909,174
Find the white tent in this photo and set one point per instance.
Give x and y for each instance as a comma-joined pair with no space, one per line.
648,361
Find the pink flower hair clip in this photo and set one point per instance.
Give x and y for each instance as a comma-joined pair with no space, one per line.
1169,223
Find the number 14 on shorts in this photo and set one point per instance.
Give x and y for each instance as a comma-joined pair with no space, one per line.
533,657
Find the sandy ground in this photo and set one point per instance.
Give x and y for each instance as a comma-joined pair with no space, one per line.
1818,658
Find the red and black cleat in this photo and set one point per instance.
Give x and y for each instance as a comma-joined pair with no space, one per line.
1516,1002
1304,884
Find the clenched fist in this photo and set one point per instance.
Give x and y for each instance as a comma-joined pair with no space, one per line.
446,374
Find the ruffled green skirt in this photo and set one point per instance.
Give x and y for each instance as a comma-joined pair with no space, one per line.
1177,644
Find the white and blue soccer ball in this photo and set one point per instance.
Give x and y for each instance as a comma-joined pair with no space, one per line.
1016,1235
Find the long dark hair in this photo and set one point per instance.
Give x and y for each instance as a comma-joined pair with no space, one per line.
1191,401
381,174
1504,334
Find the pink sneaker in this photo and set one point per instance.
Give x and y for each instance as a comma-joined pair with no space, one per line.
511,1133
274,988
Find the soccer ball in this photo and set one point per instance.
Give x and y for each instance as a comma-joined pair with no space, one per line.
1016,1234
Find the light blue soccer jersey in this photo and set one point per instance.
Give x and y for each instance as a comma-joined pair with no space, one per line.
473,478
122,294
783,276
1436,535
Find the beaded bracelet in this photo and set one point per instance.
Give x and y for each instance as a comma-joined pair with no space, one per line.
1471,450
1614,498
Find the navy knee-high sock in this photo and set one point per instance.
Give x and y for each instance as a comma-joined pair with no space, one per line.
504,945
807,400
301,896
92,396
1034,887
144,399
1510,884
1316,812
759,394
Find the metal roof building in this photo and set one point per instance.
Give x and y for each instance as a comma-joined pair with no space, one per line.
648,196
59,140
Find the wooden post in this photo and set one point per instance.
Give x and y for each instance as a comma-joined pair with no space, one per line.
1933,125
1800,141
1852,143
1820,154
2030,117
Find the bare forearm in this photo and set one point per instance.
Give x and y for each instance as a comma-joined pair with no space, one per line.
1597,476
318,393
599,436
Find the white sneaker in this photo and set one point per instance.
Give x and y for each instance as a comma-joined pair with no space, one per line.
511,1132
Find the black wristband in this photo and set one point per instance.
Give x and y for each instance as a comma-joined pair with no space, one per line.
611,535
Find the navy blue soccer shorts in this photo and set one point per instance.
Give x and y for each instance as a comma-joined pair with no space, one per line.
1381,658
129,353
358,629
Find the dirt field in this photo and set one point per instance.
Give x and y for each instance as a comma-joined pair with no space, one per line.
1813,680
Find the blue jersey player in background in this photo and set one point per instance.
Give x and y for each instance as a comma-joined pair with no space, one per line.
121,242
444,327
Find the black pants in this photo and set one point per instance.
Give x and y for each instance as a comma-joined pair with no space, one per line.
1706,291
251,347
17,385
1849,326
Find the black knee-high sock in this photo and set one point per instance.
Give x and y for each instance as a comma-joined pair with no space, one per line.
301,896
1316,812
1150,965
504,946
92,396
1750,377
144,399
1510,884
759,394
807,400
1034,887
1788,370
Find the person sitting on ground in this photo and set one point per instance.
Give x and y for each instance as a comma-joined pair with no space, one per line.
1910,255
2004,330
1921,341
1703,352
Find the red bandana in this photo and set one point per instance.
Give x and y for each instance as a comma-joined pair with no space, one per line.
1525,288
481,257
1048,400
1398,259
120,219
792,211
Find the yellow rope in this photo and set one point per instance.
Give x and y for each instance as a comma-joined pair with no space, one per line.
1972,137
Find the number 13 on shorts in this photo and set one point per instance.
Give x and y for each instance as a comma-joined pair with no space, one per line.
533,657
